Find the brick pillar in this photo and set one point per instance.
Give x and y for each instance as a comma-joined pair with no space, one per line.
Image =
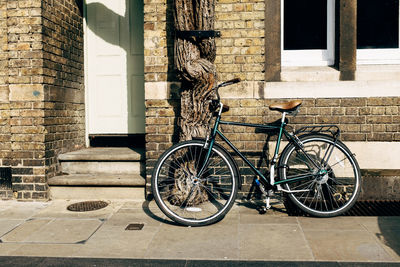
272,40
347,43
42,86
26,95
5,137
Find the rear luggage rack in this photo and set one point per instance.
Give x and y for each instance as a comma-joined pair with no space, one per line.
331,129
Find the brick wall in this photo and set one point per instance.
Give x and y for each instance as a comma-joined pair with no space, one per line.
5,137
43,89
63,78
26,96
360,119
240,53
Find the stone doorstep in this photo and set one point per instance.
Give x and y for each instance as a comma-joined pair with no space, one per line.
104,154
97,192
98,180
103,160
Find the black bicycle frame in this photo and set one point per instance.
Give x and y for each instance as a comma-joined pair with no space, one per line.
281,127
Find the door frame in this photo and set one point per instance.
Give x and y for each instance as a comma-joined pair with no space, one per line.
86,76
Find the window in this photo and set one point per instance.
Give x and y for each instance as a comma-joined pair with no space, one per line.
378,32
308,31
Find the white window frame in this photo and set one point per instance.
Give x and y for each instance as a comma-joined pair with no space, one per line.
379,55
312,57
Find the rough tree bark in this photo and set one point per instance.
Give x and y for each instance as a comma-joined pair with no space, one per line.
194,60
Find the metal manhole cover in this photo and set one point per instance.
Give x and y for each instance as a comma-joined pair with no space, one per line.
87,206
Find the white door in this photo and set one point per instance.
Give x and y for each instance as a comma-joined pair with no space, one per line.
308,32
378,30
115,67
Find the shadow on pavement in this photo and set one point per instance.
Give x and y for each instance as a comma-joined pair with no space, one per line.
390,232
148,212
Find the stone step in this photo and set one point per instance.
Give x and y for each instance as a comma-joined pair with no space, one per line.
101,167
97,192
106,173
98,180
104,154
109,160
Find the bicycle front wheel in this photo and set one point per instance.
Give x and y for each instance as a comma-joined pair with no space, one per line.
323,176
187,196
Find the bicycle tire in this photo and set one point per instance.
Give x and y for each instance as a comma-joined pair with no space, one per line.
190,200
332,186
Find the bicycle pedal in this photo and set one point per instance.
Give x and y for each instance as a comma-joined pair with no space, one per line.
262,210
270,193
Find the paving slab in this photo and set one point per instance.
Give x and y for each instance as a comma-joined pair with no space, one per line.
58,209
243,236
20,210
46,250
266,219
7,225
25,230
329,224
273,242
210,242
66,231
116,242
8,249
345,246
386,231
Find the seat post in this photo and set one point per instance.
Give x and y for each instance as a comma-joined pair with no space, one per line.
283,116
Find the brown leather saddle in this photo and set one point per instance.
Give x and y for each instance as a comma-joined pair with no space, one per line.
286,106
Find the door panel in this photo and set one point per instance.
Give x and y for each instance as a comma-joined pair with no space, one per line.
115,67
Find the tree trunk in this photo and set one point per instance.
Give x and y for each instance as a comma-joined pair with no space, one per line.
194,60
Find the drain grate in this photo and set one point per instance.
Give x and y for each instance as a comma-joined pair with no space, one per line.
135,226
87,206
360,208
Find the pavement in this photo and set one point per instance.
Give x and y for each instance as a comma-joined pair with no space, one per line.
40,232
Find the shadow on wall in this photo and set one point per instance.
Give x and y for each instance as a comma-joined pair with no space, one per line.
111,27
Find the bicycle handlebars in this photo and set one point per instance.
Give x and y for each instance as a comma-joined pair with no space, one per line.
215,103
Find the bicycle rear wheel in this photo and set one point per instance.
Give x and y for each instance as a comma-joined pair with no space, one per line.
188,197
325,177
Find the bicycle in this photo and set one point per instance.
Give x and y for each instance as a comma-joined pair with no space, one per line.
195,182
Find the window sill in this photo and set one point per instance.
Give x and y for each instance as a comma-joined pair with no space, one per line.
378,72
309,74
330,74
324,82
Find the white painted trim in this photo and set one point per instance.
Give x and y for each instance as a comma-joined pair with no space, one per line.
272,90
380,56
86,80
376,155
312,57
342,89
